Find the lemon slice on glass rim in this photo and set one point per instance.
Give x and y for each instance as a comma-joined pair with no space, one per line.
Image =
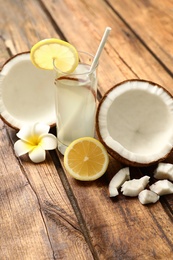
49,52
86,159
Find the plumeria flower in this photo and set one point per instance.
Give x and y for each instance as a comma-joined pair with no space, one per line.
34,140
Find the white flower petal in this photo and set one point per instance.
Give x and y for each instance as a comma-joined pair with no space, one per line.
25,133
48,142
40,128
21,147
37,155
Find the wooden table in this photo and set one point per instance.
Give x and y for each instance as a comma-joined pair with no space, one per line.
44,213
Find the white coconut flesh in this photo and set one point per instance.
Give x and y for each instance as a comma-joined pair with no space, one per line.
135,120
26,93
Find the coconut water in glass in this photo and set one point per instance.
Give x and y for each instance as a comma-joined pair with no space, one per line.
75,98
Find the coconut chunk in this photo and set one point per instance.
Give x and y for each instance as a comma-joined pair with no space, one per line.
119,178
133,187
164,171
113,192
162,187
148,196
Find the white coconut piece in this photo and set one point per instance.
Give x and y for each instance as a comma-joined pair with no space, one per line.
133,187
162,187
148,196
119,178
26,93
164,171
134,121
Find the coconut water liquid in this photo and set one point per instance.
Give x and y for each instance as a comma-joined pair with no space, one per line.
75,106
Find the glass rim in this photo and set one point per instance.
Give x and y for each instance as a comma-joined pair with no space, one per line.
76,74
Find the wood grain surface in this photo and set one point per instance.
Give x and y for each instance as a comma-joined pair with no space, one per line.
44,213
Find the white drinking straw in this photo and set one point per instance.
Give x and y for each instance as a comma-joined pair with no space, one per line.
100,48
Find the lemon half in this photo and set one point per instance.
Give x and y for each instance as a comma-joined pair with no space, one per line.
86,159
63,54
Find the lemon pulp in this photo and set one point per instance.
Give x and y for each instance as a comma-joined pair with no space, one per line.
86,159
48,51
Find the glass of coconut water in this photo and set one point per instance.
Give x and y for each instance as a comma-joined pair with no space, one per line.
75,96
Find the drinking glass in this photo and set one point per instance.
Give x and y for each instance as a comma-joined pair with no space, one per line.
75,99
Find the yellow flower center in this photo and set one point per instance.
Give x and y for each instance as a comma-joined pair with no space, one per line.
34,140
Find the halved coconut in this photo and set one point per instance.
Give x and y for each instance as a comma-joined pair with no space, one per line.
26,93
134,121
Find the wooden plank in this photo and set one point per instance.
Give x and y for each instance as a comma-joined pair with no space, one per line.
115,226
152,24
4,53
37,219
20,32
23,232
126,57
123,226
60,228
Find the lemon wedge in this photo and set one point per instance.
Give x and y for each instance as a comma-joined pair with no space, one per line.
86,159
48,51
